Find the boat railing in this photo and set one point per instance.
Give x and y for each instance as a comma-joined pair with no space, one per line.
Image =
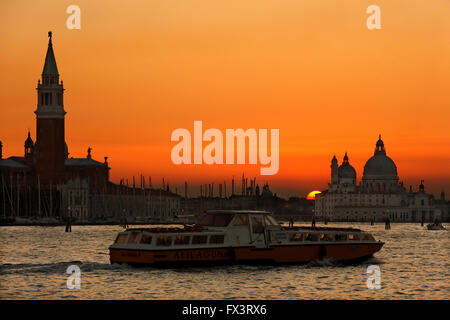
323,229
169,230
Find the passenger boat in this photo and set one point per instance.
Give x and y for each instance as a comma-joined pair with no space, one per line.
223,237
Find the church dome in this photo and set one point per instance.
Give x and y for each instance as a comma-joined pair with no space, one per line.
266,191
380,165
345,170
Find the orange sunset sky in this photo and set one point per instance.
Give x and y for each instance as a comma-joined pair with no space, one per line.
137,70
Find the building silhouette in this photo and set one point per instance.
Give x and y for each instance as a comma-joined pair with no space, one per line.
45,181
379,196
47,160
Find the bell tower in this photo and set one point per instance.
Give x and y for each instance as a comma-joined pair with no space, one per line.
50,142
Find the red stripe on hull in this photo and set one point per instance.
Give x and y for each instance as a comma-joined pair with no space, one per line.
308,253
277,254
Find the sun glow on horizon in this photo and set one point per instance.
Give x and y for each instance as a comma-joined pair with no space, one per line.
312,195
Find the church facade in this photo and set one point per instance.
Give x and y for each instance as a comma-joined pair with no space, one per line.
46,182
46,162
379,195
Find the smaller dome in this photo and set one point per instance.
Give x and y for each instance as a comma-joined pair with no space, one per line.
345,170
266,191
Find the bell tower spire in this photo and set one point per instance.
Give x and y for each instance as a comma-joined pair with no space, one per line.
50,72
50,113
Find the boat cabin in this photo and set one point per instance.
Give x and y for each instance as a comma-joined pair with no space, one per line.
235,228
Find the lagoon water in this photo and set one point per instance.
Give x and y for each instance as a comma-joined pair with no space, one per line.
414,264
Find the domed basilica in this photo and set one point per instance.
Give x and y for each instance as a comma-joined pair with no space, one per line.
378,196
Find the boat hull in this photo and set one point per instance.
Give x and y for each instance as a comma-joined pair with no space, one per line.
245,255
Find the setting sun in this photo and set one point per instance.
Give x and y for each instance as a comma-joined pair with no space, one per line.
312,195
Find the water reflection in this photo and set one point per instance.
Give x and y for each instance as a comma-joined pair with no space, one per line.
414,265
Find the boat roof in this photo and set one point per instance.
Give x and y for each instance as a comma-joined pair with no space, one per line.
323,228
180,229
239,211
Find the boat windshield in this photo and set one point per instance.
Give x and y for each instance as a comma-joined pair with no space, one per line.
216,220
270,221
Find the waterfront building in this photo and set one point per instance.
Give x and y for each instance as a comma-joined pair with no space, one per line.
46,182
47,160
379,195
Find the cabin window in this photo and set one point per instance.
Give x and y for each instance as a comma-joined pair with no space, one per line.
257,225
199,239
326,237
121,238
368,237
217,239
146,239
216,219
180,240
296,237
340,237
353,237
133,237
164,241
241,220
311,237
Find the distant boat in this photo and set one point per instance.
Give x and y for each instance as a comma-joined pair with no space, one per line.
224,237
435,226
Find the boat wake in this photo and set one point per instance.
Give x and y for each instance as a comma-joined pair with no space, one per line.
52,268
325,262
